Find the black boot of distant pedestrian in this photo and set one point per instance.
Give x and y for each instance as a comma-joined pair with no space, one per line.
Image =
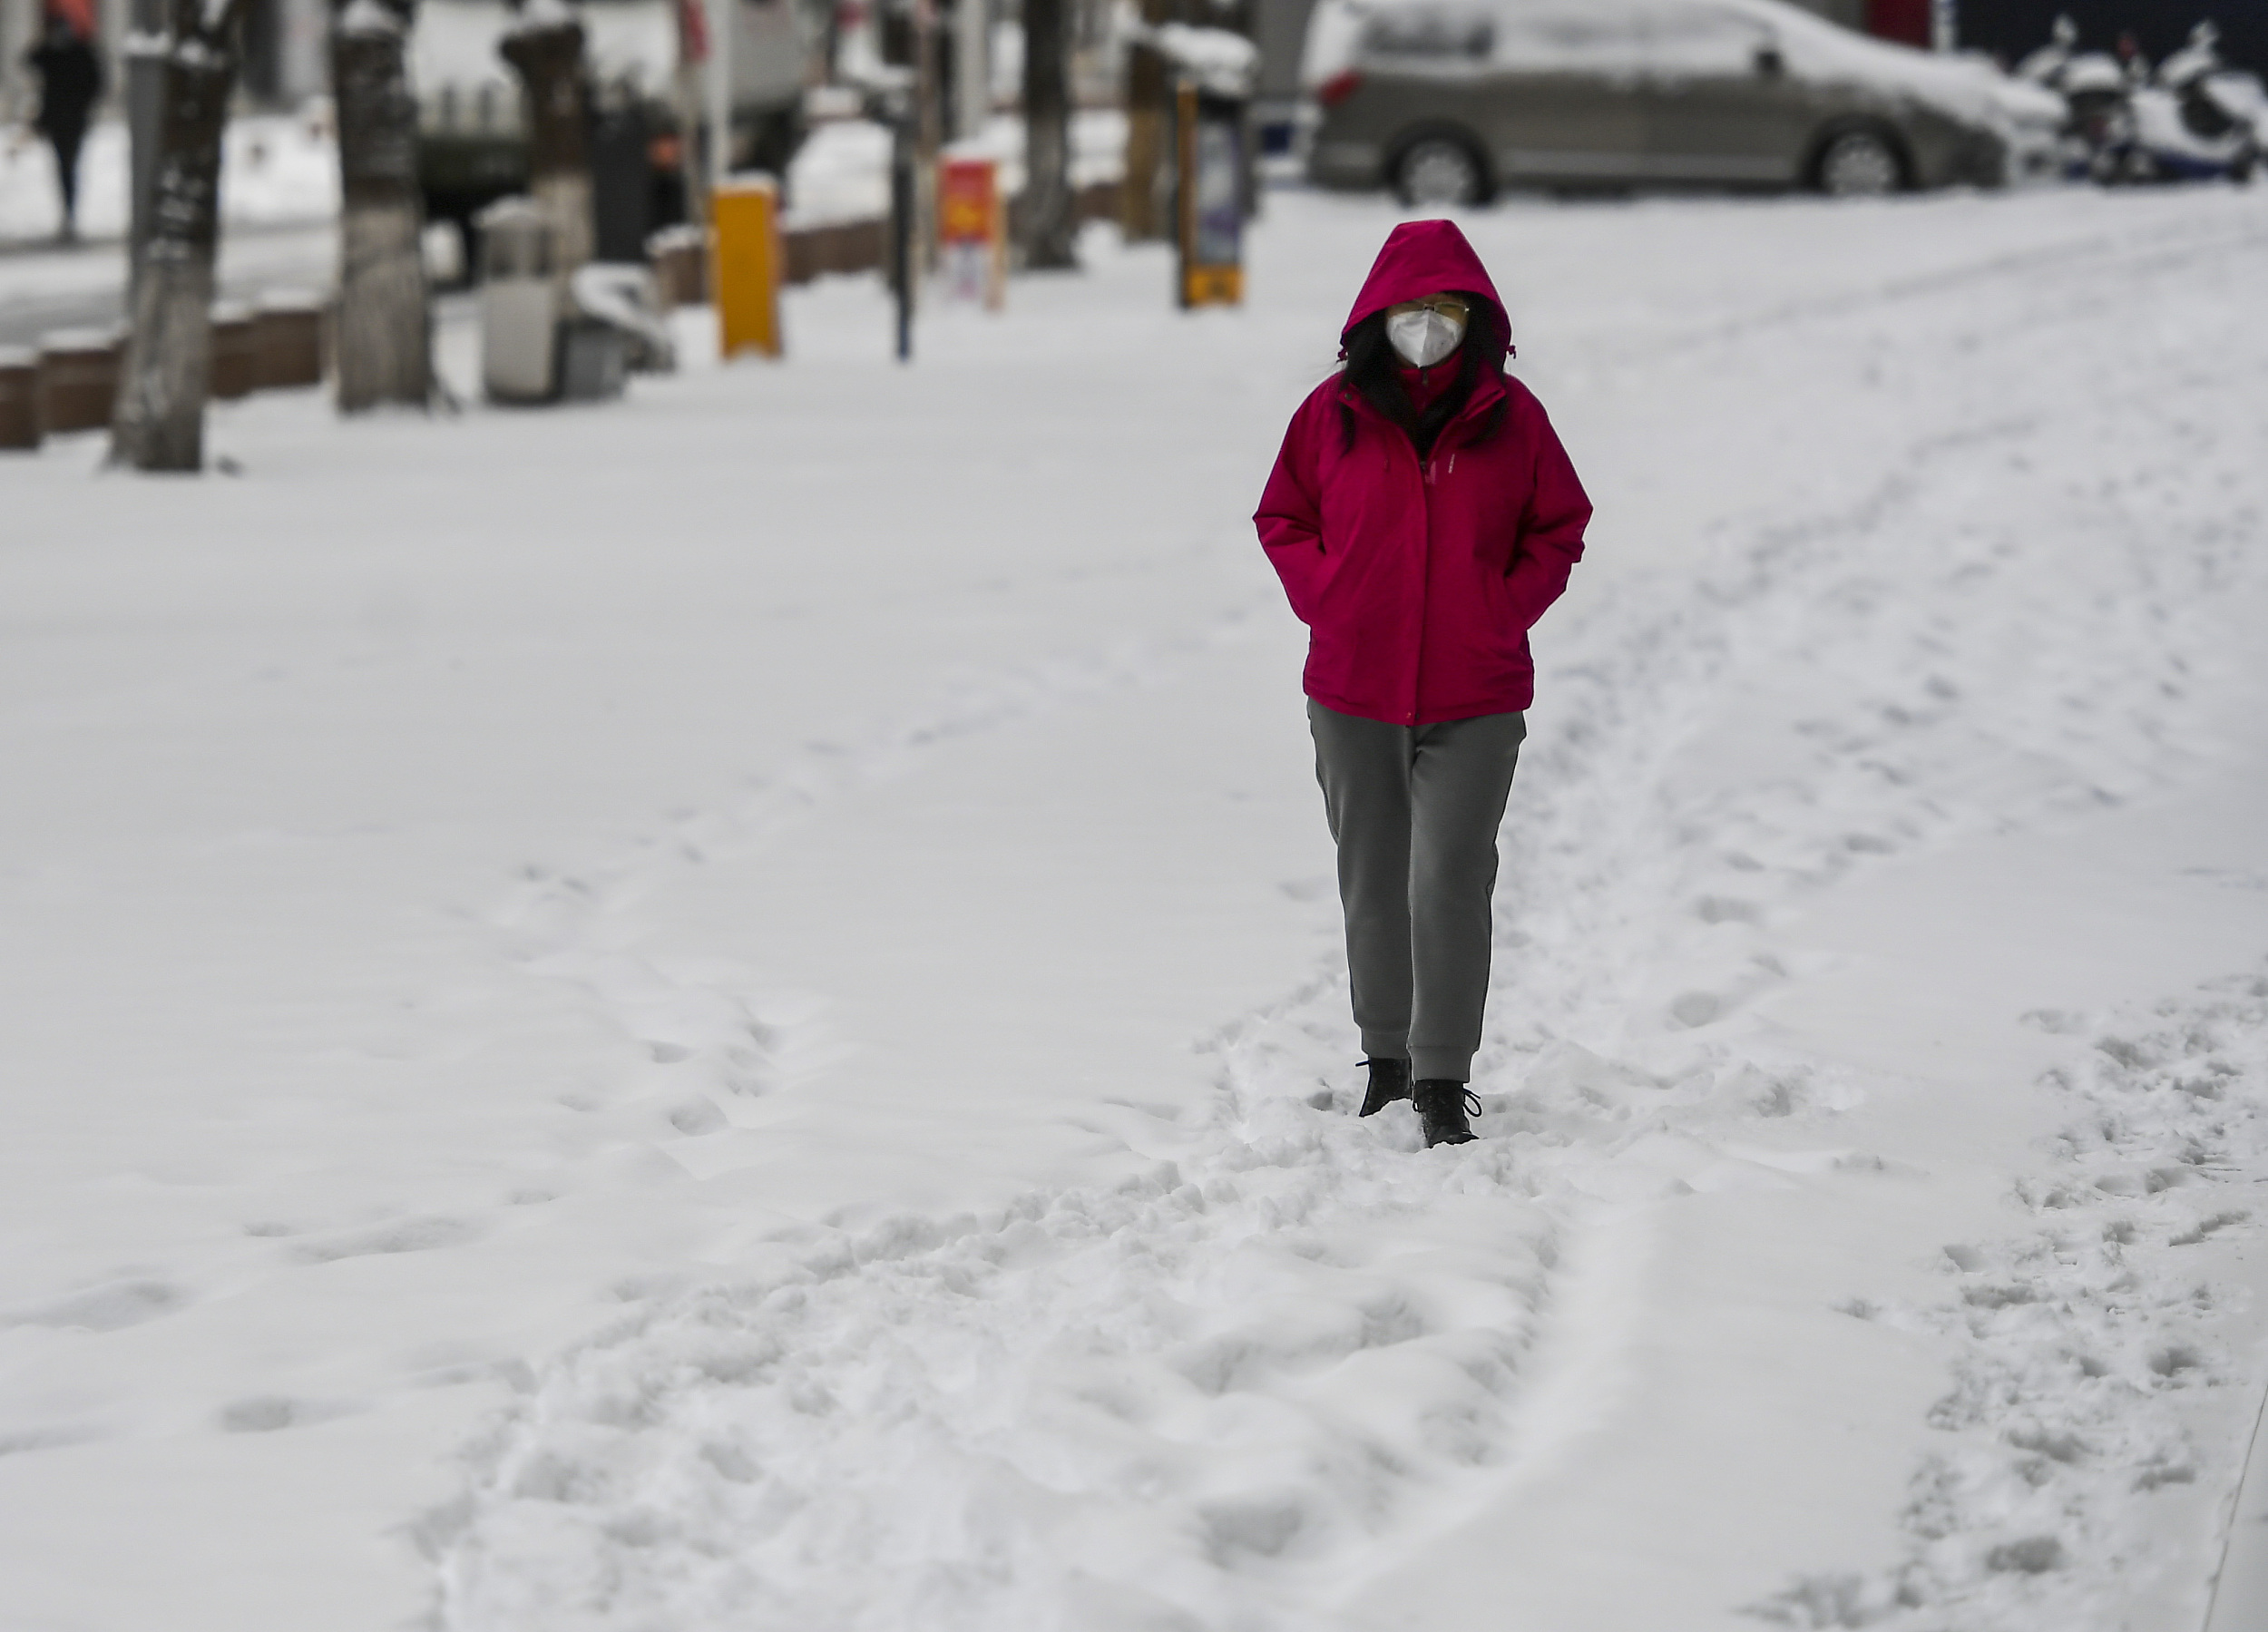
1442,1105
70,85
1389,1081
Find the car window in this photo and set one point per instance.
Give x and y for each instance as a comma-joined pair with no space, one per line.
1702,39
1570,36
1428,32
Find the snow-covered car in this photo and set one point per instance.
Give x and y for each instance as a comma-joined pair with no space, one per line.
1448,101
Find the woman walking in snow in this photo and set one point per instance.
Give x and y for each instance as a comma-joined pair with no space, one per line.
1422,515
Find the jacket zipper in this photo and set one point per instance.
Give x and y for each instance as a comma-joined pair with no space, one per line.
1426,469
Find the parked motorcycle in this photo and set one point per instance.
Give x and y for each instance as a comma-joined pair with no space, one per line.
2096,89
2045,66
2196,119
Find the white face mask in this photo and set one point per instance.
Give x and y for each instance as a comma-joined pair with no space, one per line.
1423,337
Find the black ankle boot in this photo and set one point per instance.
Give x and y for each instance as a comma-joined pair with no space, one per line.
1441,1106
1389,1081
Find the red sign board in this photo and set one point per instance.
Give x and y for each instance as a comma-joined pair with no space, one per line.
972,228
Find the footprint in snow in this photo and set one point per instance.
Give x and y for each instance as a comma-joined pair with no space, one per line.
46,1439
400,1236
267,1413
695,1117
110,1307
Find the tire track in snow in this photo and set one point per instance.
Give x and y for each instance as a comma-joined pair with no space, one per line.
1206,1397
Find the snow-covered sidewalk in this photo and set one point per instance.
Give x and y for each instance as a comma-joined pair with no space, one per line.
276,169
725,1010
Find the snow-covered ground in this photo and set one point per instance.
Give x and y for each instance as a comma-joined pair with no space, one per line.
279,196
724,1010
85,287
275,169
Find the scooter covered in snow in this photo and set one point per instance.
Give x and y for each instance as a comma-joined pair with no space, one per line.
2098,129
2196,119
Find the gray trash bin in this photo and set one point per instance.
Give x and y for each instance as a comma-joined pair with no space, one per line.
593,361
627,301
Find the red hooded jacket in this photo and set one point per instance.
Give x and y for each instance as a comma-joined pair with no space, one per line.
1418,585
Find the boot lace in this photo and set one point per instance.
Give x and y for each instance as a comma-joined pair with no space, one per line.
1472,1099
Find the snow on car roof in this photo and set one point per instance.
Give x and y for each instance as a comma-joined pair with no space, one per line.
1568,30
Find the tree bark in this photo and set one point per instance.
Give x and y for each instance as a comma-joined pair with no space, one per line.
1049,218
1148,140
1146,204
545,49
159,423
384,329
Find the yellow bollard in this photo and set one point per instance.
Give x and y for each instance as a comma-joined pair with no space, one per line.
744,219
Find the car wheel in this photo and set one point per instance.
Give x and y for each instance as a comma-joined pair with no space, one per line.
1438,170
1859,164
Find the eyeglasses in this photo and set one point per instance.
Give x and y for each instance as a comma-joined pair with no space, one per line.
1447,306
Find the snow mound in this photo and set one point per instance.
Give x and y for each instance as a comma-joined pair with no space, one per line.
1111,1408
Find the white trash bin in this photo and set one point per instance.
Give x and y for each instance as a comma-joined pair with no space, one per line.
521,302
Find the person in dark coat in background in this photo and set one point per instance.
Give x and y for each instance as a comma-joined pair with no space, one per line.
70,85
1422,515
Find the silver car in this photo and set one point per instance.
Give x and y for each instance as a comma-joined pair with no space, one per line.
1448,101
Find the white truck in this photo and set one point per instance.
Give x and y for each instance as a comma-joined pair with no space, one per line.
473,132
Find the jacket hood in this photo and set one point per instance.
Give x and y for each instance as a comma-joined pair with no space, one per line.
1420,258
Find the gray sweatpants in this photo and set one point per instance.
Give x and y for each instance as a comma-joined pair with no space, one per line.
1414,811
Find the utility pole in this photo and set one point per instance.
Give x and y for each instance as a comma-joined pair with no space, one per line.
686,93
384,329
905,258
148,40
159,423
971,66
929,130
720,42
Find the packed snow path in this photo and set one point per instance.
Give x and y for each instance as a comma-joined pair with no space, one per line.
950,1094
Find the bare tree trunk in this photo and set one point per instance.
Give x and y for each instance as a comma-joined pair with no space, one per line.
1142,206
384,331
545,48
159,421
1049,223
1148,140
